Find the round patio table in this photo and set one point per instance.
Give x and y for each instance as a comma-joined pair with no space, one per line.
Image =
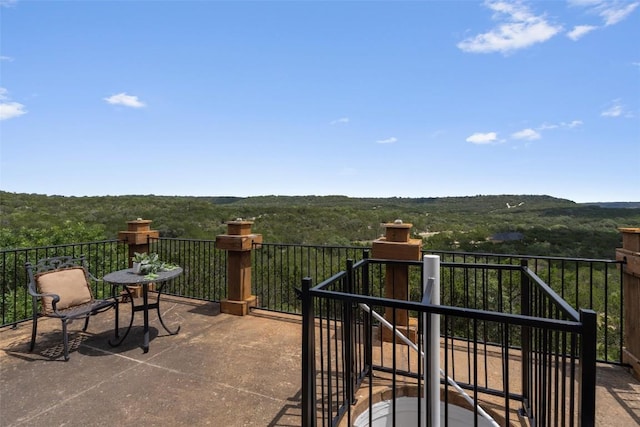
127,277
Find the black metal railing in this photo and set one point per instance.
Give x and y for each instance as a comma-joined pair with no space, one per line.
204,267
277,270
536,360
583,282
16,306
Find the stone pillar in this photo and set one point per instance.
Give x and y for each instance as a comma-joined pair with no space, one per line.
238,242
397,245
137,236
630,253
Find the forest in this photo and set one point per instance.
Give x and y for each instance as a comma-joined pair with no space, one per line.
514,224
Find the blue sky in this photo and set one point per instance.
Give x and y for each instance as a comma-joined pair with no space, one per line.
358,98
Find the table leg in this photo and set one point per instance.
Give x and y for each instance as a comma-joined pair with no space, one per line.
160,315
145,305
119,341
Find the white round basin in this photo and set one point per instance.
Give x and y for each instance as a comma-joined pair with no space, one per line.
407,415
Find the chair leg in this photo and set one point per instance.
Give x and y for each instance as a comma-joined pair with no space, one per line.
34,330
65,339
86,323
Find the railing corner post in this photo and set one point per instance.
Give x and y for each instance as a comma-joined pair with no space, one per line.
525,310
308,356
348,334
368,338
587,375
629,258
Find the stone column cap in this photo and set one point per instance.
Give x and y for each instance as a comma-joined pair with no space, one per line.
629,229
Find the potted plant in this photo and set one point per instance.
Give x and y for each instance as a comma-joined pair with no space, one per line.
137,261
149,264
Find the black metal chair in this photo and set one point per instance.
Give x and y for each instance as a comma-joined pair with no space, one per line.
62,287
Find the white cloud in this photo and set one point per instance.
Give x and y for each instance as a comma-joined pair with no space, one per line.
615,110
584,2
579,31
548,126
614,12
611,11
9,109
6,58
126,100
528,134
8,3
483,138
388,140
562,125
341,120
518,28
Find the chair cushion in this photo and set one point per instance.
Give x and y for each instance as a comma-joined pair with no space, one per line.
70,284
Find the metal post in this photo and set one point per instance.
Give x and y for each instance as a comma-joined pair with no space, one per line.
308,357
525,310
368,339
347,321
431,275
587,373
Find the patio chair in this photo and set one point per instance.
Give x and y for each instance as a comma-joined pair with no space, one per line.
62,287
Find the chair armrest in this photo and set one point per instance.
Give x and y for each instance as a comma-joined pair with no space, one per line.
92,277
55,298
34,293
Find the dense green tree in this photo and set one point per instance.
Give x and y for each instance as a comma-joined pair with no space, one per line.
549,226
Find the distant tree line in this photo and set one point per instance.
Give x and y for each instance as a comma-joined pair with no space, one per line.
547,226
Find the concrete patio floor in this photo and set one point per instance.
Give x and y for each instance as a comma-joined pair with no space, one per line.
219,370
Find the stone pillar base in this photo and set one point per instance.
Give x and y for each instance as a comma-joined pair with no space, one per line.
410,332
238,308
632,361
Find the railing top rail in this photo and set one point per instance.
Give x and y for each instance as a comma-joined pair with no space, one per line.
339,275
182,239
570,312
557,299
527,257
65,245
469,265
489,266
310,246
470,313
